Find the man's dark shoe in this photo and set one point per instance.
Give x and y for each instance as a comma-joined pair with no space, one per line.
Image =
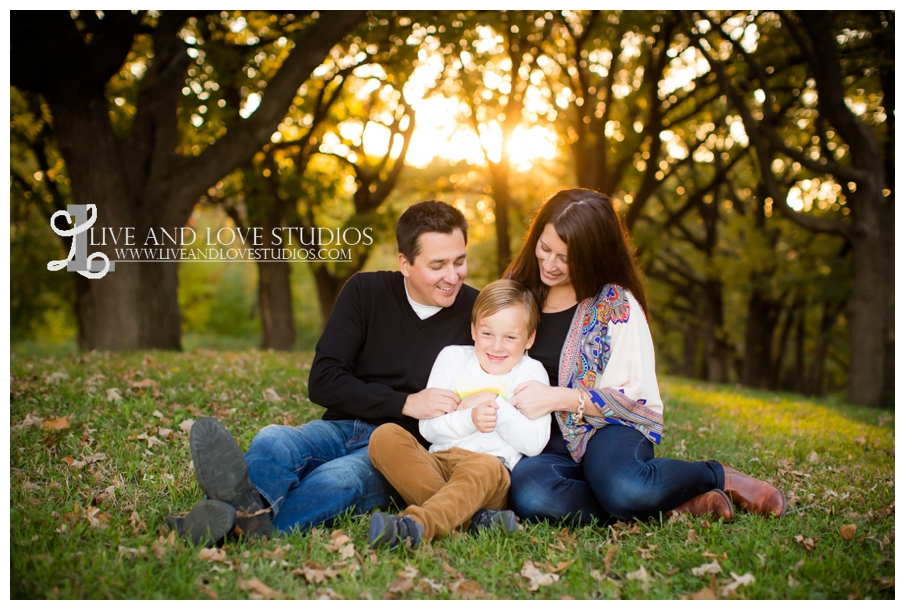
207,523
223,475
487,518
391,531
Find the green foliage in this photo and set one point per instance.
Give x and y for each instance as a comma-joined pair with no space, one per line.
88,496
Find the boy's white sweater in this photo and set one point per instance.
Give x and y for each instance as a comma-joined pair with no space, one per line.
457,369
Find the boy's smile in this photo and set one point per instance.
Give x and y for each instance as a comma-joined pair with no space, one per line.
500,340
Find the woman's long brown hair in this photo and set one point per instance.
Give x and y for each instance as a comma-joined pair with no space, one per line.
599,250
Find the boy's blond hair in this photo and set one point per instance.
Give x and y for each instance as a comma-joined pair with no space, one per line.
500,294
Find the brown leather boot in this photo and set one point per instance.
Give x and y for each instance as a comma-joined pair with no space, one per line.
754,495
714,503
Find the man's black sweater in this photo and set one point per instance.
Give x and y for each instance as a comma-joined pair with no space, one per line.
375,351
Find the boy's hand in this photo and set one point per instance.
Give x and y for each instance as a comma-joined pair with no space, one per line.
484,417
475,399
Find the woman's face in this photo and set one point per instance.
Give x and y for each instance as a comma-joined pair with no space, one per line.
552,258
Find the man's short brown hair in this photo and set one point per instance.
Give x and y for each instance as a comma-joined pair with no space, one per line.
427,217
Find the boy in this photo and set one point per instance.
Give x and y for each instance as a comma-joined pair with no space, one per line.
474,447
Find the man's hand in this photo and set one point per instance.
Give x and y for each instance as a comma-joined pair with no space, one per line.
475,399
430,403
484,417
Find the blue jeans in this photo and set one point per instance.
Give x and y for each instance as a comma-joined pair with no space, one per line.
619,478
316,471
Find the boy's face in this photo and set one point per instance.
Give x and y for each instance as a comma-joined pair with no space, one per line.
500,340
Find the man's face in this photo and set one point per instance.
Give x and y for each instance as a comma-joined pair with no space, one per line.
436,275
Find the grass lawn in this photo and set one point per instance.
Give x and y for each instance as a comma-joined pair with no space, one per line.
99,455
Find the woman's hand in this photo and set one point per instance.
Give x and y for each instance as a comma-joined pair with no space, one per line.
534,399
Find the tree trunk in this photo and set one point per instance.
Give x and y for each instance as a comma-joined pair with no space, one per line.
275,301
502,199
714,344
868,304
814,385
758,341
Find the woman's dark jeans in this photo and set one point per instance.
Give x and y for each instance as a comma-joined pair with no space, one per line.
618,477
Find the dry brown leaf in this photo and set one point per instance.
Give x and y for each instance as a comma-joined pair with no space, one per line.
536,577
93,458
467,589
56,377
449,570
69,460
186,425
640,574
337,539
144,383
692,537
737,581
808,544
113,395
312,572
259,589
848,531
708,568
138,525
608,560
409,572
813,457
96,518
30,421
400,585
165,433
705,593
270,395
328,593
55,424
153,440
428,586
212,555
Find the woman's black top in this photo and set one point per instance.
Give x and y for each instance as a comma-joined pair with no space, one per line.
552,330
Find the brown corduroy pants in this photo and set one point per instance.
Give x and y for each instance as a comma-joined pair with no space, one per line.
443,489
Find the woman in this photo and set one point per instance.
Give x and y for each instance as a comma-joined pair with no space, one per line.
594,341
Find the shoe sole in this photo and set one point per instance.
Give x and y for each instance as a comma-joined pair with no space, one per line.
208,522
504,520
378,530
728,503
222,473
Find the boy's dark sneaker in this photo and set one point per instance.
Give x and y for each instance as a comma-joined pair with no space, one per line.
487,518
207,523
223,475
391,531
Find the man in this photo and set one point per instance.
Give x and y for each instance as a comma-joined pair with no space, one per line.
370,367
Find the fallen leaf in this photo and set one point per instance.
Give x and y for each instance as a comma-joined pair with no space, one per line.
270,395
153,440
608,560
55,424
639,574
808,544
409,572
400,585
328,593
212,555
848,531
257,588
537,578
562,565
69,460
113,395
165,433
449,570
692,537
813,457
137,524
30,421
707,568
737,581
705,593
428,586
57,377
312,572
186,425
468,589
